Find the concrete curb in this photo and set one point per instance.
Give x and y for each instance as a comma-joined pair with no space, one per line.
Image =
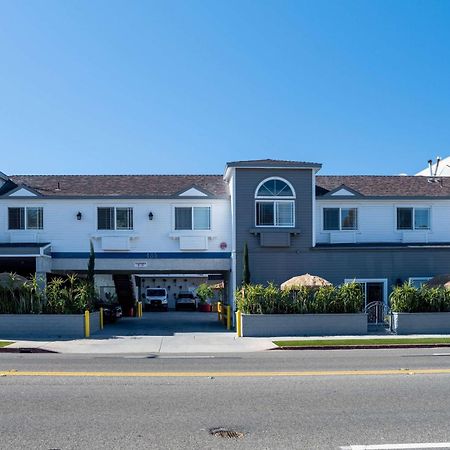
363,347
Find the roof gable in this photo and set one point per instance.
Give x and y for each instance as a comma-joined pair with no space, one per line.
343,191
194,191
22,191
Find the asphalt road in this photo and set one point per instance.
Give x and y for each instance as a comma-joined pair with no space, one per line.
321,410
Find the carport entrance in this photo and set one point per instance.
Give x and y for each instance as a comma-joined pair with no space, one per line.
166,324
174,284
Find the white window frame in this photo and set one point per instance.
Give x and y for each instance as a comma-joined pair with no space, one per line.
400,230
340,208
275,199
422,280
275,213
25,225
115,218
192,218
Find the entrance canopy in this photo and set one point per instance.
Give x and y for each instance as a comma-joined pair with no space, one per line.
25,258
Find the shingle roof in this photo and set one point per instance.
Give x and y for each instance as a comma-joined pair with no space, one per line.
161,186
121,185
272,163
386,186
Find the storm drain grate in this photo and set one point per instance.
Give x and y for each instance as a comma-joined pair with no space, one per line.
227,434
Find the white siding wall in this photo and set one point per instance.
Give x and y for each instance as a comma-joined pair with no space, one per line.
67,234
377,221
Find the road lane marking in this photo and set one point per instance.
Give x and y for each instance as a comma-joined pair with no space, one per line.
416,446
174,374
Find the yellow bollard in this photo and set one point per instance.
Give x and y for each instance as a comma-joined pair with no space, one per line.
140,310
228,317
87,328
238,324
219,311
101,318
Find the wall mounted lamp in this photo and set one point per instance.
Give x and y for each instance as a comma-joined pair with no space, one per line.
150,216
79,215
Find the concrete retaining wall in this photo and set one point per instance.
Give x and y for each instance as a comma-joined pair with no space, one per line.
269,325
46,326
421,323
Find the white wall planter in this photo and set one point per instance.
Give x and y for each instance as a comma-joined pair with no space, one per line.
46,326
421,323
272,325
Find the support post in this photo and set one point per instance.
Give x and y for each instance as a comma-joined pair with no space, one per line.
219,311
228,317
101,318
87,327
238,324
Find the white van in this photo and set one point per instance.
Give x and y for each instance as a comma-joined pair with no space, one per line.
156,298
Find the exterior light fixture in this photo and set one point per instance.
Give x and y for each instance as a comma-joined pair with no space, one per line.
150,216
79,215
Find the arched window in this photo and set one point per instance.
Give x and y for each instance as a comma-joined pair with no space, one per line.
275,203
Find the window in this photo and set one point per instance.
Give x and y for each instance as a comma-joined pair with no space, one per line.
271,205
413,218
340,219
418,282
193,218
29,218
111,218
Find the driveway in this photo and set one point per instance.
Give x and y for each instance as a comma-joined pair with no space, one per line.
159,332
165,324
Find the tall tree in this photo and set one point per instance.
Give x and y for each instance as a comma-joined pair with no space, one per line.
246,267
91,265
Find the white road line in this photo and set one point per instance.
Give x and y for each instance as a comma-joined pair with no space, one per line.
441,354
416,446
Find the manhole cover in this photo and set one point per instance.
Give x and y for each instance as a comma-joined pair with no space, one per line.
225,433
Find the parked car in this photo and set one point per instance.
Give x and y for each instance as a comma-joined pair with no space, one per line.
111,310
186,300
156,298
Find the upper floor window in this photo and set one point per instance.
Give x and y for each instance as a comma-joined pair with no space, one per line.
273,204
29,218
413,218
110,218
193,218
340,219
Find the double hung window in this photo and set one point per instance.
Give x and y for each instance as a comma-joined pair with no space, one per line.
275,204
27,218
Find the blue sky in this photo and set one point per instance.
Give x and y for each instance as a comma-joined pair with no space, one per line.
184,86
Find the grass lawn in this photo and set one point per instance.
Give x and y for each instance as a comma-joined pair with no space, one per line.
4,344
365,342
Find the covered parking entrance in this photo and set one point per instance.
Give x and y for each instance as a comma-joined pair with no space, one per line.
176,284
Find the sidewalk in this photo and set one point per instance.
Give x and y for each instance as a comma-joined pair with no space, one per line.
180,343
224,342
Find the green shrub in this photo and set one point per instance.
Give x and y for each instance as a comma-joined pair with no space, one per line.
407,298
259,299
68,295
